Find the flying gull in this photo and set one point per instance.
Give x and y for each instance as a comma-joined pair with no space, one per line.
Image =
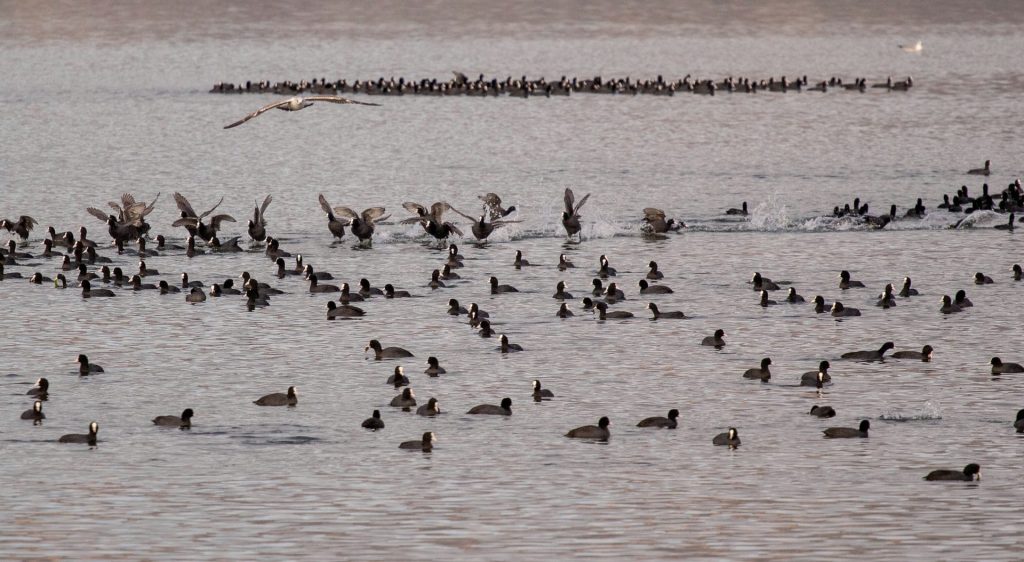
294,104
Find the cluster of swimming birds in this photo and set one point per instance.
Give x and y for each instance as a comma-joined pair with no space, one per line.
127,226
523,87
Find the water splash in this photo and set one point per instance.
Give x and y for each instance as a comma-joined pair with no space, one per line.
770,215
929,412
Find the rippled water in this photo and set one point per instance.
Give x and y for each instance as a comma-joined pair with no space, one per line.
98,100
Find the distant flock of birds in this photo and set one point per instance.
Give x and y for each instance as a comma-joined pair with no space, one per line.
461,85
127,226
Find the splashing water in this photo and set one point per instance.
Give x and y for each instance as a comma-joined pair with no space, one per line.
929,412
770,215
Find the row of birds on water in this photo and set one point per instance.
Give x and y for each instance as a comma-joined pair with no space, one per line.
479,319
128,221
1009,201
482,86
127,224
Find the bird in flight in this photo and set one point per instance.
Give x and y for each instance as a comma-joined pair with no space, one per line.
294,104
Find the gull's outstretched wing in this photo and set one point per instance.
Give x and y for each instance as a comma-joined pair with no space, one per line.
257,113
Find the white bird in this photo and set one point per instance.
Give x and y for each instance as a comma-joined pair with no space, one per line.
294,104
915,48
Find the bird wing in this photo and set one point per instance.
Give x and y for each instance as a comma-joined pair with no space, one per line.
576,210
372,214
336,99
127,200
149,208
29,221
569,198
325,205
97,213
346,212
183,205
454,228
471,219
650,214
216,220
207,213
186,221
258,112
133,210
266,203
416,208
460,76
490,199
438,209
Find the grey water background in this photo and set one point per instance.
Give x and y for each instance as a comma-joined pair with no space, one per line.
97,99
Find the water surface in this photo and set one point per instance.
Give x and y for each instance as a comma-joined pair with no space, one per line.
98,100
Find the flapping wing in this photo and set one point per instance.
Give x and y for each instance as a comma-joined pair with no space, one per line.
454,210
416,208
134,212
652,214
216,220
490,199
576,209
325,205
346,212
207,213
257,113
331,99
183,205
454,228
258,211
98,213
127,200
372,214
29,221
438,209
460,77
569,199
186,221
149,208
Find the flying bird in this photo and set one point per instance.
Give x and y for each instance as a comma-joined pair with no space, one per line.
295,104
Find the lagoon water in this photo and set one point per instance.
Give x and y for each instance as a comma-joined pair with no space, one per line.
97,100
